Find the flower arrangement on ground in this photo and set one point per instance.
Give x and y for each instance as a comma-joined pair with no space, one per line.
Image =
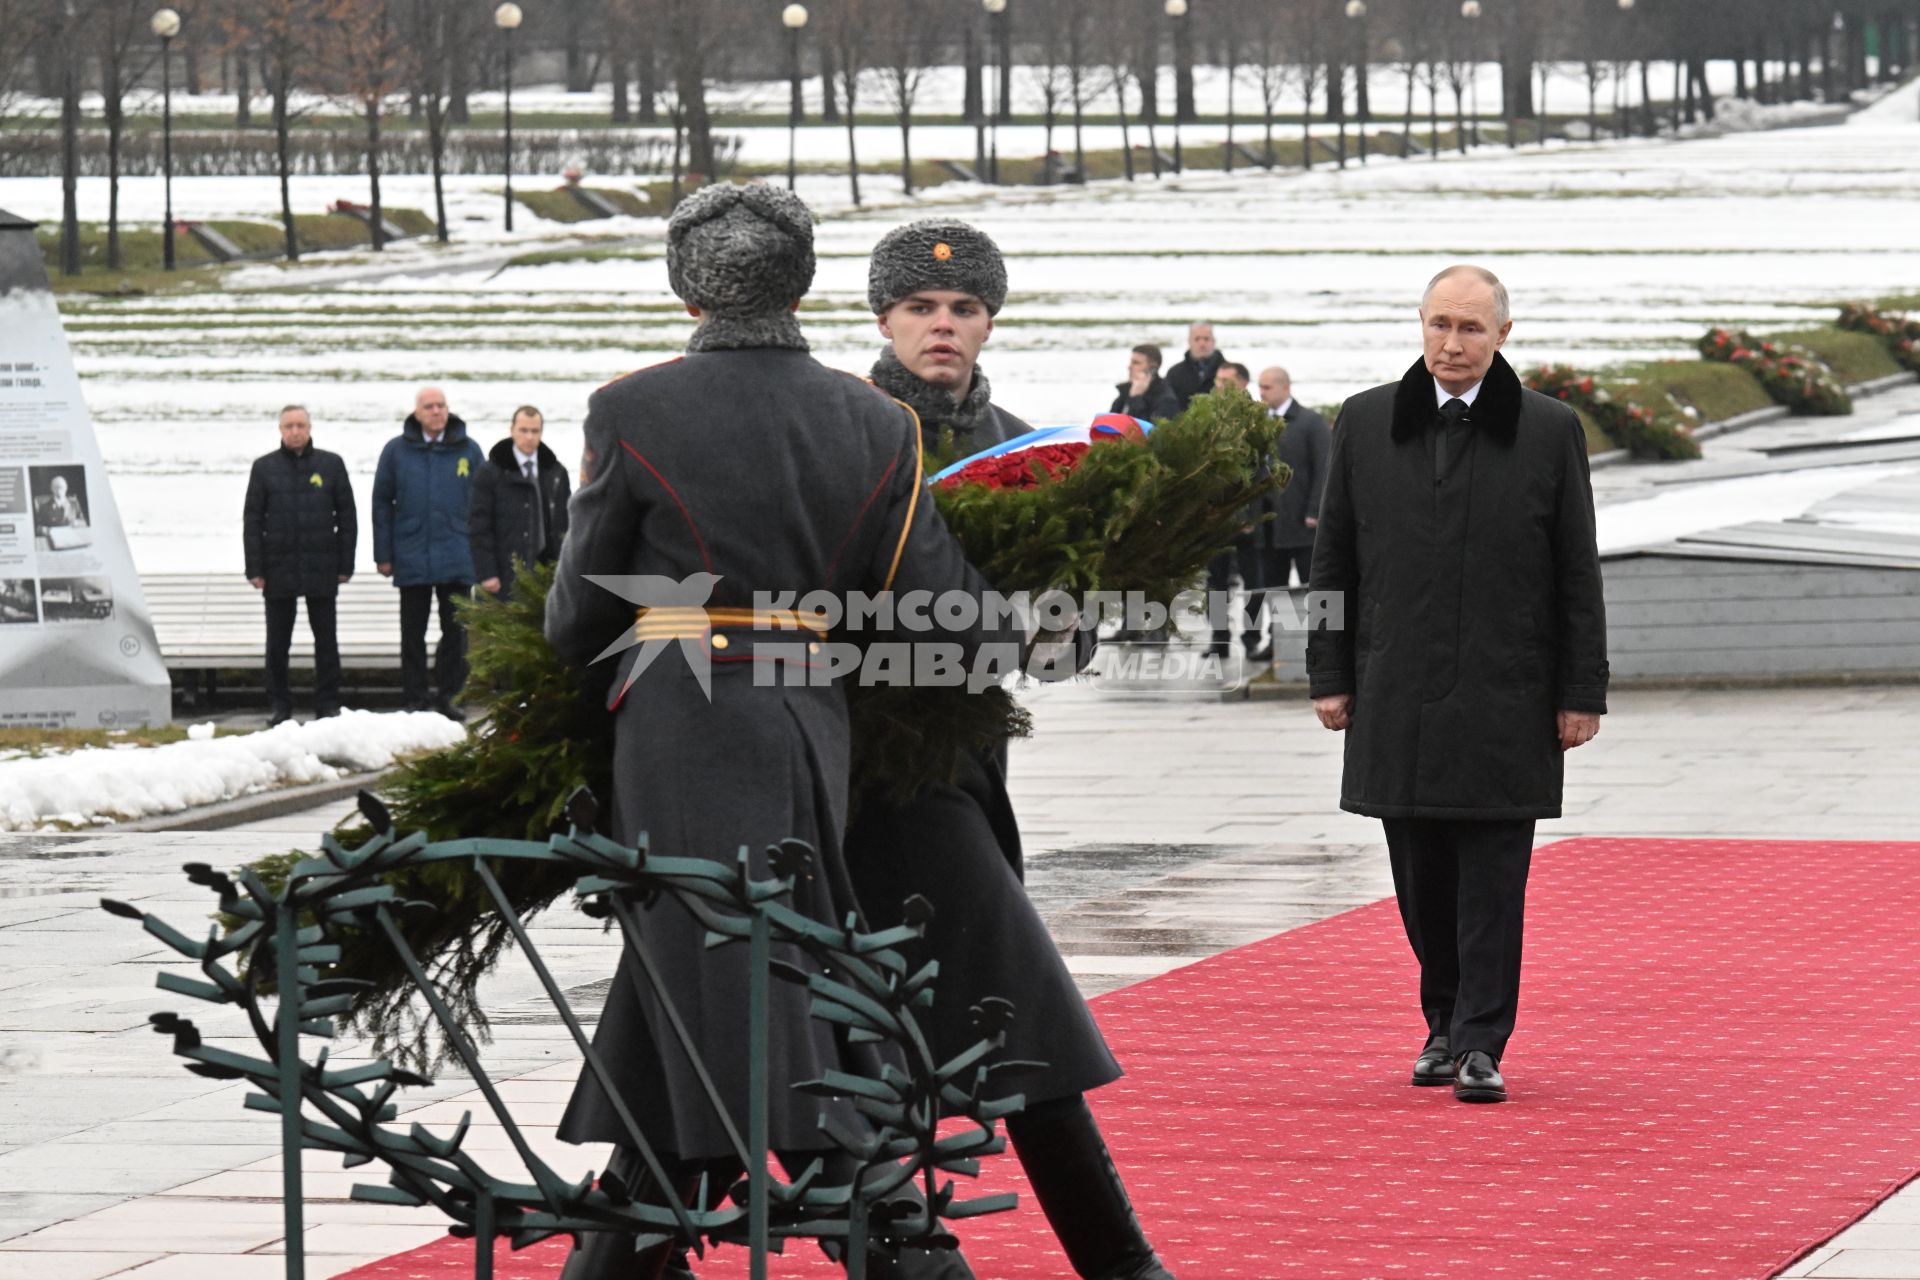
1900,333
1793,377
1644,430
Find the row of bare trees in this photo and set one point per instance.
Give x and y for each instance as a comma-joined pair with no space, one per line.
1104,59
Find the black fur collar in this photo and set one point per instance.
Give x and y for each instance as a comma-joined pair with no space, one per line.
1496,410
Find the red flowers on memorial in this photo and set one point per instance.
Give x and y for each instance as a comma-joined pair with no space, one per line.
1024,470
1791,376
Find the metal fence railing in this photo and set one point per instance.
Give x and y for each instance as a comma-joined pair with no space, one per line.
271,968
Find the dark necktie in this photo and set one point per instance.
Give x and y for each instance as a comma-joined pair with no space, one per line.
532,472
1452,414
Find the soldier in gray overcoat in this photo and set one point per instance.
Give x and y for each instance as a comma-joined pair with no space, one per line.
743,467
936,286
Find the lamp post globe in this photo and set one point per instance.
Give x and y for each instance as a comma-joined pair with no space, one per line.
1176,8
1356,8
166,25
793,17
1626,6
1470,9
509,16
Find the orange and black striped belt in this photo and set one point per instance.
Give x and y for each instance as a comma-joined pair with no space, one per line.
697,622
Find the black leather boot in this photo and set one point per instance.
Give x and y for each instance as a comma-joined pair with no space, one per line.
1080,1191
614,1255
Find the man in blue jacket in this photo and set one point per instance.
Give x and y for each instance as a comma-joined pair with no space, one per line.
422,492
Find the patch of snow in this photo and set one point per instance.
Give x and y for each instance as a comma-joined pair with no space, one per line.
1718,504
95,784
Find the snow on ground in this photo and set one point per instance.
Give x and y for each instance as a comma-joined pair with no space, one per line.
101,783
1619,252
1716,504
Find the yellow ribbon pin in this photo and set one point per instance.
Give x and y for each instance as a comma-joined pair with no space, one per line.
462,469
316,481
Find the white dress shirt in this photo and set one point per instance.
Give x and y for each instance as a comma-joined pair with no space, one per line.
1281,412
1442,395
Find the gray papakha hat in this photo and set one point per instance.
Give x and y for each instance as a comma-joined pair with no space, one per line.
939,253
740,250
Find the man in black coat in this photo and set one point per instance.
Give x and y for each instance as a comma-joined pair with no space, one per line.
1457,532
1145,394
299,533
519,504
1195,374
936,287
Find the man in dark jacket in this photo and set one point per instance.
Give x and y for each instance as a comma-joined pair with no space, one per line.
1145,394
1304,447
750,470
1276,549
1195,374
299,532
422,500
1457,532
936,287
519,504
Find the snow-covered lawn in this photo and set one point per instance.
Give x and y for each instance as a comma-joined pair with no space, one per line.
98,784
1627,251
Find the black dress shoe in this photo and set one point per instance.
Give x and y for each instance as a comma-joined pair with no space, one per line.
279,717
1435,1064
451,712
1478,1079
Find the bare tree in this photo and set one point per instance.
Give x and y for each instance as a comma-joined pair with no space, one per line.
362,64
902,35
25,26
431,47
844,39
122,56
1266,66
283,32
1117,56
1052,74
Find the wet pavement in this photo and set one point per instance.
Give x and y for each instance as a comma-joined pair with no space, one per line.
1158,833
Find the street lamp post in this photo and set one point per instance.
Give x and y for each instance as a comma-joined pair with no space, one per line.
1470,10
1357,11
508,18
1176,11
794,18
1626,9
166,25
996,26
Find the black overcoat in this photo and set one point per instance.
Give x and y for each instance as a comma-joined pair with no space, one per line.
957,845
1305,446
1473,607
501,523
770,473
299,526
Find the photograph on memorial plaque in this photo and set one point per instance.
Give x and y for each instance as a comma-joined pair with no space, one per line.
60,508
19,602
76,599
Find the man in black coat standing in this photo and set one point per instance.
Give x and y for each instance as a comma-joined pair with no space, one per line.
1469,656
1195,374
299,533
519,504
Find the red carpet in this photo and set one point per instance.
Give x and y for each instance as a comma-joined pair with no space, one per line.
1715,1071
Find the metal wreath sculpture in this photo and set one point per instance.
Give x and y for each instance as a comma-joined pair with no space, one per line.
284,941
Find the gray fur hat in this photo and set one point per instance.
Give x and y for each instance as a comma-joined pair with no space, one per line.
737,250
939,253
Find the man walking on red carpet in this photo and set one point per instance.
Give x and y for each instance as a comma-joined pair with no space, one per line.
1469,655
